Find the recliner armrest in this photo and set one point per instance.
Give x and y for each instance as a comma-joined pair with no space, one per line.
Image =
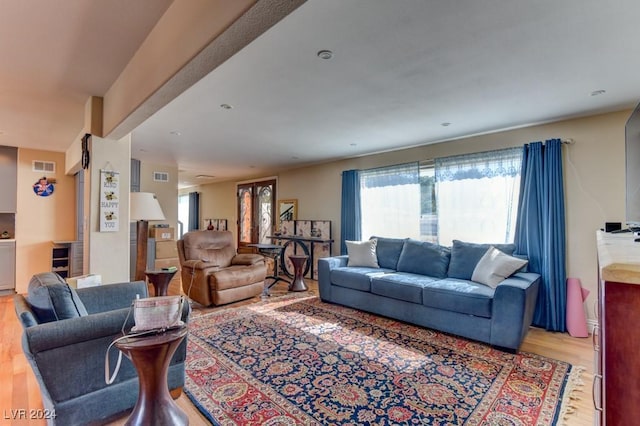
199,265
247,259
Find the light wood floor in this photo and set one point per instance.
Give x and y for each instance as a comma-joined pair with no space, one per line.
19,389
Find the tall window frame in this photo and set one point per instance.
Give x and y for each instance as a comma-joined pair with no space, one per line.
256,202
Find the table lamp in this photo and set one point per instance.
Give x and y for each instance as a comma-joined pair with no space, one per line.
144,207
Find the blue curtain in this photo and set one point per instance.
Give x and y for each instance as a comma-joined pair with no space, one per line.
194,211
350,213
540,229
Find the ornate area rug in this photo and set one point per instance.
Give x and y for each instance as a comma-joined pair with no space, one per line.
299,361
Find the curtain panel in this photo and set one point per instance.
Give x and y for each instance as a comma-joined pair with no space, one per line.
390,201
350,220
540,229
194,211
477,196
502,162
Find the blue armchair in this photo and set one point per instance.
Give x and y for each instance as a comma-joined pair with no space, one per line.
66,335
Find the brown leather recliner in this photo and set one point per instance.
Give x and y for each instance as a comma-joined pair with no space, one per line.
212,271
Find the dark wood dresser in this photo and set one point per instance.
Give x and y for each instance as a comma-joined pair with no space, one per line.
616,338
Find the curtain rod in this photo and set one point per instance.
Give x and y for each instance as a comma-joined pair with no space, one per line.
568,141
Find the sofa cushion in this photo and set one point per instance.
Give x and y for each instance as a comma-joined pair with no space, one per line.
400,285
362,253
388,251
52,299
457,295
419,257
356,278
495,266
465,257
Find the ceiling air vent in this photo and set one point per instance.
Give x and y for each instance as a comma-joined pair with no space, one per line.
44,166
161,176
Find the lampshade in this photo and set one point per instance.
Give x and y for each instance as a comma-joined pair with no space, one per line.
145,206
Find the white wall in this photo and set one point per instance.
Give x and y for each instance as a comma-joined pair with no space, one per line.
109,251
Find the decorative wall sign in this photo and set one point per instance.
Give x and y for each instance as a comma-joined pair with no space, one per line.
43,187
109,201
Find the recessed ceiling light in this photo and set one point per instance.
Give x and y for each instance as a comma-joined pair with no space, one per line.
598,92
325,54
445,124
225,106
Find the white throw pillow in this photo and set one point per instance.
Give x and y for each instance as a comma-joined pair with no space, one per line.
495,266
362,253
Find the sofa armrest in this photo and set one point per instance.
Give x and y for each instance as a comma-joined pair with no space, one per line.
247,259
514,303
325,265
24,312
109,297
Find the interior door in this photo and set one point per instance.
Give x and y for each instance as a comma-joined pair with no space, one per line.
256,207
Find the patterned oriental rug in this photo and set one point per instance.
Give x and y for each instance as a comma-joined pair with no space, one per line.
299,361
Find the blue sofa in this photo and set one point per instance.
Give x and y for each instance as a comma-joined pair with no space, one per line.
430,285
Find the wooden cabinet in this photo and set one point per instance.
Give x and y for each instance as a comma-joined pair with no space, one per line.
9,179
66,258
616,388
7,265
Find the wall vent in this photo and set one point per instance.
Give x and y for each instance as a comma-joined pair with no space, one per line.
161,176
44,166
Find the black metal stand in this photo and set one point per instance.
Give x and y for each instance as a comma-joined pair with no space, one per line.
274,252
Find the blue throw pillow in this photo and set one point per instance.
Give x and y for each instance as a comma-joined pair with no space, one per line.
465,257
388,251
52,299
424,258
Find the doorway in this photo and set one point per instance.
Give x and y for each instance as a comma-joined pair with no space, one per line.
256,207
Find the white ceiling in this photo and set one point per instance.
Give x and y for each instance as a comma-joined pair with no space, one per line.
400,69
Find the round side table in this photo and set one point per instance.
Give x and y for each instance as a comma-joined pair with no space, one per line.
298,283
160,280
151,356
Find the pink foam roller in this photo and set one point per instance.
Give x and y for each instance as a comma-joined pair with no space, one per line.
576,319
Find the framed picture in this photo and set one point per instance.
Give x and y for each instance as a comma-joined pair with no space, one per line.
287,210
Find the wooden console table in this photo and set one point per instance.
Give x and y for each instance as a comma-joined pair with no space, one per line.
617,371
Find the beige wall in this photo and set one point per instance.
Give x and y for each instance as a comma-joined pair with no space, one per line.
593,169
41,220
166,192
217,202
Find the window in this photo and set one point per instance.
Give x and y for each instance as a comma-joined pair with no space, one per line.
183,213
477,196
390,201
470,197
